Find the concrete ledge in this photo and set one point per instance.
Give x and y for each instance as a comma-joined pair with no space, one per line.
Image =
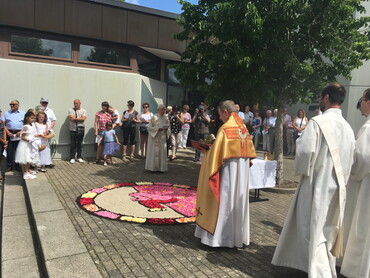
17,246
20,268
63,251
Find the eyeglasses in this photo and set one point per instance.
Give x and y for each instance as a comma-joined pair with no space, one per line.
13,104
145,106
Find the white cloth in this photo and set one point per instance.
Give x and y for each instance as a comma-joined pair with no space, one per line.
51,116
156,158
27,152
183,138
145,117
241,115
248,117
262,174
310,229
45,157
232,228
356,260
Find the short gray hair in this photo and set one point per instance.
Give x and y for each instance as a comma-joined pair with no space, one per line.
228,105
160,106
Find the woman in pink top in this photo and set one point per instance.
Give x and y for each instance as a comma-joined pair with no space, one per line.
185,127
101,119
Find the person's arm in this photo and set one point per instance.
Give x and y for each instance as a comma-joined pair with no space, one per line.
115,136
3,140
100,139
304,126
96,125
82,118
206,117
71,115
195,115
181,119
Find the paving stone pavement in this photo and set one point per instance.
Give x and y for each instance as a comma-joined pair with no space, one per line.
122,249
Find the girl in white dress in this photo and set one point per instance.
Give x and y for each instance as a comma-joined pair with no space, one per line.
43,130
26,153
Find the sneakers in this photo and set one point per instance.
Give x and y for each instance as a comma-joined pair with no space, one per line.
105,163
43,170
72,160
80,160
29,176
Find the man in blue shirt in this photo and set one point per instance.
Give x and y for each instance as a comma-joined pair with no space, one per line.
13,120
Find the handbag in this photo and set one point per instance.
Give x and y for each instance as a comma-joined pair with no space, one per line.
143,130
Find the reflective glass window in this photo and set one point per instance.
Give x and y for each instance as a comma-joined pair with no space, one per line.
105,55
149,66
39,46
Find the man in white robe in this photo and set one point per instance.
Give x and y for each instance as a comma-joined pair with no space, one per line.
156,159
223,185
313,227
356,260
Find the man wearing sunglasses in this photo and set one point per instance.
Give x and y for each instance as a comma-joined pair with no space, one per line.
13,120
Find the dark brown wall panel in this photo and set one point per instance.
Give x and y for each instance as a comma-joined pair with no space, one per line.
18,13
167,28
49,15
83,19
142,29
114,25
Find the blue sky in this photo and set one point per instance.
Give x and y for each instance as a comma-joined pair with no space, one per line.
164,5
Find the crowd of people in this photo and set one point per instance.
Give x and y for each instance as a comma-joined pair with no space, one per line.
327,217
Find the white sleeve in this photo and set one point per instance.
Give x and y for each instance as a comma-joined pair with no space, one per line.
361,165
305,149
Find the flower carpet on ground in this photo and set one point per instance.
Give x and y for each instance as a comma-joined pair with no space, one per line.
142,202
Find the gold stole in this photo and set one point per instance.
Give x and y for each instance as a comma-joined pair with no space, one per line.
232,141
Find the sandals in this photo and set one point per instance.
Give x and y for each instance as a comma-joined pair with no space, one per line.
96,161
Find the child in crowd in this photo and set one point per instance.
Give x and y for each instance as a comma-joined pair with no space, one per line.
110,142
42,129
28,147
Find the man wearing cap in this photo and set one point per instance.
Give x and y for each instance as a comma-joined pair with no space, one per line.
13,120
201,126
50,113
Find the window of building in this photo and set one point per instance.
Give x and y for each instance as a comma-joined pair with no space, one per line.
105,55
40,46
148,66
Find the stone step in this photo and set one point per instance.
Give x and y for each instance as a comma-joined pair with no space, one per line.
19,257
63,253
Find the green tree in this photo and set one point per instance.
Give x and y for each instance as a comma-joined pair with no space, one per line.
282,51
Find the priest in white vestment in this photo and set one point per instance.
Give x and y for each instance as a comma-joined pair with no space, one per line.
223,185
313,227
356,260
158,130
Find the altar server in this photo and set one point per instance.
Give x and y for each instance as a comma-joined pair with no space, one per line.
312,234
222,196
356,260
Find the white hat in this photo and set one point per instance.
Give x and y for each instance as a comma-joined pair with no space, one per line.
44,99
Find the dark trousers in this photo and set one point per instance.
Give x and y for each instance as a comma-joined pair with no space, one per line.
10,156
76,144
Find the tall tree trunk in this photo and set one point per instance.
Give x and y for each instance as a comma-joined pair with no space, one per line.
278,151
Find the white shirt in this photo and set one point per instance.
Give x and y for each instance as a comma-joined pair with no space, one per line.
51,116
